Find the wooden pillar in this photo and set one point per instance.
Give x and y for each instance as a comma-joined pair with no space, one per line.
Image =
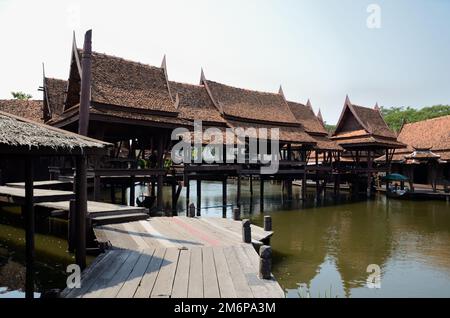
317,175
29,228
261,193
188,190
387,169
159,197
85,95
71,231
251,185
224,197
369,173
174,197
123,195
97,188
113,193
238,193
132,191
81,207
153,189
199,197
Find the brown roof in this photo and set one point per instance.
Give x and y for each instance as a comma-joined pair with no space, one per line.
431,134
121,82
360,126
306,117
195,103
288,134
248,104
55,90
30,109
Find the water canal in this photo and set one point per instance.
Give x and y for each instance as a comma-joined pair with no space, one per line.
321,248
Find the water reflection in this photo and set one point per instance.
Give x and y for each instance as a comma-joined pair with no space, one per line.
322,247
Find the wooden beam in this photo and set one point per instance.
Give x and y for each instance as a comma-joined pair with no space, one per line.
29,228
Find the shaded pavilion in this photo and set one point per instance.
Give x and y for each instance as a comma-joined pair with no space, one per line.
25,140
426,159
128,104
364,135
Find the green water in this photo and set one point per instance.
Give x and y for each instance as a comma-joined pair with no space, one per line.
321,248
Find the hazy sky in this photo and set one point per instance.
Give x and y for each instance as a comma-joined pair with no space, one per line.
316,49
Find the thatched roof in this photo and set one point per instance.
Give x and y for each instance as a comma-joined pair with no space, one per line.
195,103
55,93
121,82
21,132
31,109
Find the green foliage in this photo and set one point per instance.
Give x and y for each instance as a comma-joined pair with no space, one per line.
395,116
21,95
330,128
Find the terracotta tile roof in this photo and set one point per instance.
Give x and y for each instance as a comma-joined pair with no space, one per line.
325,143
30,109
431,134
55,90
121,82
307,118
369,140
253,105
290,134
195,103
373,120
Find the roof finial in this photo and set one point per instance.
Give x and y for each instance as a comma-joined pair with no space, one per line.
319,116
163,63
347,100
308,104
280,91
377,107
202,76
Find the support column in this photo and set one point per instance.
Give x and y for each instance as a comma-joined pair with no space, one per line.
81,207
251,185
29,228
224,197
238,194
369,174
132,191
174,197
199,197
261,193
387,169
188,188
317,175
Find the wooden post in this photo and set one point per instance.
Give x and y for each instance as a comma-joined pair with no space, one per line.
265,262
238,194
72,226
237,214
251,185
199,197
261,194
153,189
387,170
224,197
29,228
369,174
85,95
132,191
192,210
246,231
174,197
159,197
317,174
81,206
97,188
113,193
124,195
267,223
188,190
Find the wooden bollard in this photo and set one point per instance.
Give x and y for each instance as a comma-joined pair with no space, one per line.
237,214
265,262
267,223
192,210
246,231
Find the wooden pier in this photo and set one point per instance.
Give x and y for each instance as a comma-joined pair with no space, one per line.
177,257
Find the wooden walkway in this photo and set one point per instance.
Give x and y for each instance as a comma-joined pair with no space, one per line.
177,257
15,195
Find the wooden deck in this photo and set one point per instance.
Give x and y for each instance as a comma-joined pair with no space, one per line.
48,184
102,213
177,257
15,195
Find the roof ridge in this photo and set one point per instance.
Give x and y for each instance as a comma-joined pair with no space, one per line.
125,60
429,119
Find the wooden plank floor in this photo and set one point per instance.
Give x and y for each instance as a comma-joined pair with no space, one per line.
16,195
177,257
198,272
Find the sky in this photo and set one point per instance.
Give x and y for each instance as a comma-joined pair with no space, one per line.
394,52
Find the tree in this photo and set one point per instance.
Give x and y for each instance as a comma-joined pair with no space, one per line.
395,116
21,95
